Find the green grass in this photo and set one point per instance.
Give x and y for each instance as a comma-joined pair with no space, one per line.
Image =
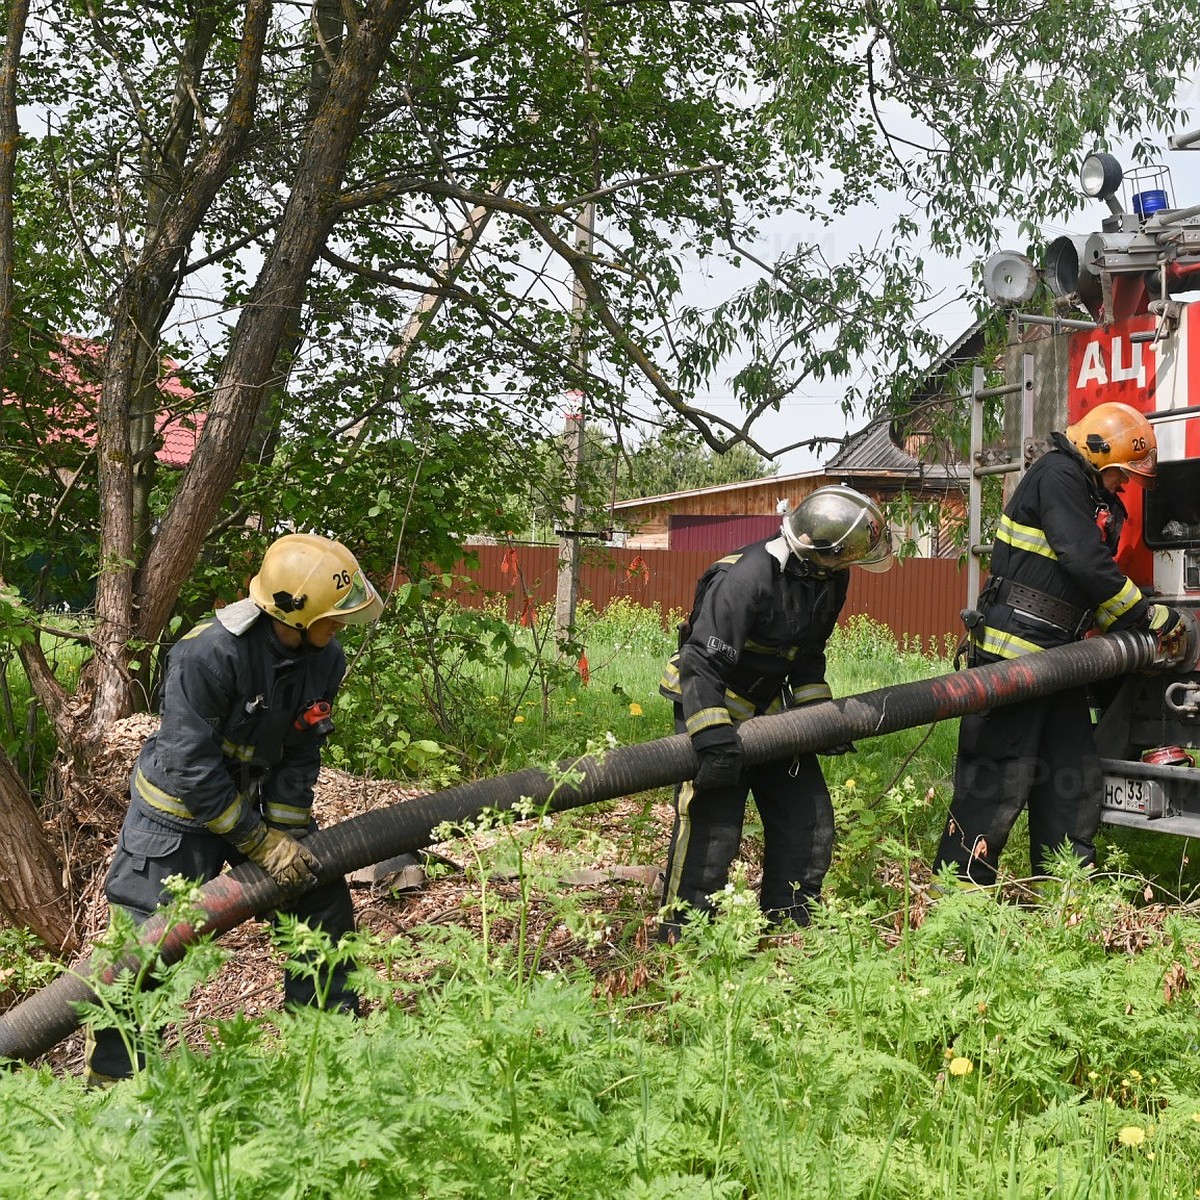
992,1051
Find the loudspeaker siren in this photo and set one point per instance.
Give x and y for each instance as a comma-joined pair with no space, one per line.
1009,278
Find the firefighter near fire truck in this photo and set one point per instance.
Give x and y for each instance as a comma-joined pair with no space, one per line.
1117,328
1053,578
228,777
754,644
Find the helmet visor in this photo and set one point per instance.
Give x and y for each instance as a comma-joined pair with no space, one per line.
880,560
360,605
1145,468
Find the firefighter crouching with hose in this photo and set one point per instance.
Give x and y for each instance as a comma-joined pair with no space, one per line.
229,774
1053,577
755,644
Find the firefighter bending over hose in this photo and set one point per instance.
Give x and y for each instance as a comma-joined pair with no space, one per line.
1053,577
229,774
754,644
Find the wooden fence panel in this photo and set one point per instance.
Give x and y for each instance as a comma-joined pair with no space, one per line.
918,598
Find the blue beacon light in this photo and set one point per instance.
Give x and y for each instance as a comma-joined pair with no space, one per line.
1147,203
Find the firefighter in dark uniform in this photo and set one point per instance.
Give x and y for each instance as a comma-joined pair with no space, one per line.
1053,577
755,644
229,774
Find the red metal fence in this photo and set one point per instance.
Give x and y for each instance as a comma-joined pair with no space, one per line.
917,598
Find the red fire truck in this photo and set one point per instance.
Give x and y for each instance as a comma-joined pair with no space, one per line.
1122,328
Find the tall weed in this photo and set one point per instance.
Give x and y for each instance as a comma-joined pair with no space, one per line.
1006,1052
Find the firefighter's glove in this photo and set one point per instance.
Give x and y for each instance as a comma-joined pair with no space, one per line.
292,865
720,752
840,748
1170,630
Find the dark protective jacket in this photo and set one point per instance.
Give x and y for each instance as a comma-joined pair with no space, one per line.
227,754
1056,542
755,641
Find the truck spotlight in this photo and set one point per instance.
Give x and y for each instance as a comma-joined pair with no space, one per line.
1100,176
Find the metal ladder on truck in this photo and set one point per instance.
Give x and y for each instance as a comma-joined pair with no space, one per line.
985,463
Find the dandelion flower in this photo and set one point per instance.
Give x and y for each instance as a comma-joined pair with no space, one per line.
1131,1135
850,785
1135,1074
518,719
1196,1117
635,709
961,1066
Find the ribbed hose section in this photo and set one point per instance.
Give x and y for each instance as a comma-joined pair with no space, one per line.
40,1022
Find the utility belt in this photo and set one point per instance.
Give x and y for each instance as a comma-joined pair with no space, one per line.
1041,606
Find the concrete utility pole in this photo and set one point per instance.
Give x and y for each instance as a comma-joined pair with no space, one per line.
567,595
570,535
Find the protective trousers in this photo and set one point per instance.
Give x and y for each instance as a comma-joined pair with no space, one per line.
1039,753
147,853
797,818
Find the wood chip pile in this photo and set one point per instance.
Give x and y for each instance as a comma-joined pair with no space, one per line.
621,893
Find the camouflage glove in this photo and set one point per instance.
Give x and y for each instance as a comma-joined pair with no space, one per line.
1170,630
290,864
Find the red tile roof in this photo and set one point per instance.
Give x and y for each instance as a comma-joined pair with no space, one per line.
178,424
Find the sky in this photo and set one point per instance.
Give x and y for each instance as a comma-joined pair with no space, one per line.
816,410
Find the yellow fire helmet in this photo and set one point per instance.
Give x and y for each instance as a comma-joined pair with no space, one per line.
1117,435
305,577
837,527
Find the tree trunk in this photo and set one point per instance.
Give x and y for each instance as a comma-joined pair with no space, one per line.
132,606
247,372
31,887
10,137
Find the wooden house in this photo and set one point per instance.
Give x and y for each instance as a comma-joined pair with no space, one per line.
897,461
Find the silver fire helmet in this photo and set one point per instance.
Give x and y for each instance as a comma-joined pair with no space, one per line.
837,527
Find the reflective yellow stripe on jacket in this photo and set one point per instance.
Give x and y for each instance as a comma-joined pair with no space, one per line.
1117,606
290,815
173,806
1002,644
1033,541
707,718
738,707
1024,537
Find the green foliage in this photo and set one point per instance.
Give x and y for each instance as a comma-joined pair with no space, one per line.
610,470
883,813
448,689
994,1052
989,1050
692,128
15,618
674,461
141,1014
25,964
47,545
26,733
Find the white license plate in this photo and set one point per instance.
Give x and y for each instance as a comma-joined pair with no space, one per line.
1143,796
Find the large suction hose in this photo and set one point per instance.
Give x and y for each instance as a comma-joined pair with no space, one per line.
40,1022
